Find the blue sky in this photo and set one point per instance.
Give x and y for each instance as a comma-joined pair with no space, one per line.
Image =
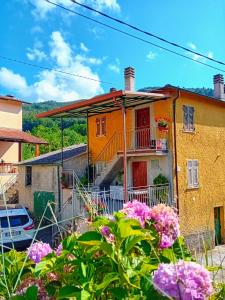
39,33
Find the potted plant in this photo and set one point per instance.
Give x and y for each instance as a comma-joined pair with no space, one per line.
163,123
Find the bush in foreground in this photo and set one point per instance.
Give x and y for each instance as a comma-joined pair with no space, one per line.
136,254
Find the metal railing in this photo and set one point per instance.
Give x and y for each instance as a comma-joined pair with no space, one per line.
9,183
151,138
107,202
8,168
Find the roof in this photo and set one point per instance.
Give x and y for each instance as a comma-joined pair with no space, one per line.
173,87
12,98
103,104
16,135
55,157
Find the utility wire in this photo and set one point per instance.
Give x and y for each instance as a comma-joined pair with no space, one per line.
52,69
147,33
134,36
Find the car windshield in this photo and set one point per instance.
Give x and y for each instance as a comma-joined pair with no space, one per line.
14,221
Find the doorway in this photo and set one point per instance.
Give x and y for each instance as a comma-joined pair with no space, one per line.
219,224
142,129
139,172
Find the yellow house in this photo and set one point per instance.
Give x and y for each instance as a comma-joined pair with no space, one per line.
11,139
164,145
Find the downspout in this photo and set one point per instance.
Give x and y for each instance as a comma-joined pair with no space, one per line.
59,187
88,154
62,146
175,147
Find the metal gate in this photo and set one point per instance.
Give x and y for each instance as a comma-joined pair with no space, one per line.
41,199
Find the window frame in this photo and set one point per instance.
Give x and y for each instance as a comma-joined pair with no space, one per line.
193,170
101,126
190,113
28,176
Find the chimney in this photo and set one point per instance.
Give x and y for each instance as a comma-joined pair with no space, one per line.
129,76
112,89
219,87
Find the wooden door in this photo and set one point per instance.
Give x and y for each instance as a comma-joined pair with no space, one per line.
139,171
217,225
143,128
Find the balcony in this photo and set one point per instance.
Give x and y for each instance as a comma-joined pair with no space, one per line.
8,168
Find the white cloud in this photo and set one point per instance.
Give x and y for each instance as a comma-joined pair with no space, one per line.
35,54
83,47
11,80
151,55
114,68
51,85
210,54
42,8
192,46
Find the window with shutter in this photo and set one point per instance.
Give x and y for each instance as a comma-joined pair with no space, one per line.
188,118
98,129
103,123
192,169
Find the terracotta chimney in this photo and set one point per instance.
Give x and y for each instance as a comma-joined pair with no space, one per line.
219,87
129,76
112,89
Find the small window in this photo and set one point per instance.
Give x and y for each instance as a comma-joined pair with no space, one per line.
155,164
192,166
188,118
28,176
101,126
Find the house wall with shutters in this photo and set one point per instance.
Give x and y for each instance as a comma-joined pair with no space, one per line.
206,145
114,124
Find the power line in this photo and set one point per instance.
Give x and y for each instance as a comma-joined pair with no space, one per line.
134,36
148,33
52,69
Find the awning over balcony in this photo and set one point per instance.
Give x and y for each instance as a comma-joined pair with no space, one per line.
16,135
104,104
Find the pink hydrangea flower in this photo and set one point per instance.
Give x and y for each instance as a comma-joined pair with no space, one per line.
39,250
106,232
137,210
166,224
183,281
42,294
59,250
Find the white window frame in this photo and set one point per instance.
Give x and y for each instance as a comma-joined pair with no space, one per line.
192,172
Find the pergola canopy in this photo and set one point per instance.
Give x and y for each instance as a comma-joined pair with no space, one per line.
105,103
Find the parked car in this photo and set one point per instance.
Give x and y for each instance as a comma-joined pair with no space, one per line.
16,227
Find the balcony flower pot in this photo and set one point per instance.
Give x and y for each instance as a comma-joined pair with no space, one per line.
163,128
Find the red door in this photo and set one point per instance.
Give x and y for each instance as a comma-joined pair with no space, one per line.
143,128
139,171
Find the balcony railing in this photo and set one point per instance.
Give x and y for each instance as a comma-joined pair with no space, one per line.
8,168
137,140
107,202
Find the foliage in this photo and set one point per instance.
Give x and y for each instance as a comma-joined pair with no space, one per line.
160,179
116,259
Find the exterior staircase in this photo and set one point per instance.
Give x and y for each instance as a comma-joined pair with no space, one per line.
9,190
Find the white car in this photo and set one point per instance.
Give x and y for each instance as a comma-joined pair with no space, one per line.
21,230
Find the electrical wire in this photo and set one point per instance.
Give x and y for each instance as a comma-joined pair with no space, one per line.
134,36
52,69
147,33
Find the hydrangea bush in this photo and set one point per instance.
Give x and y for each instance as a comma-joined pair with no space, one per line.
137,253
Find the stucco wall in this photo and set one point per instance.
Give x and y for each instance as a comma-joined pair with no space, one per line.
44,178
78,163
10,114
207,145
10,117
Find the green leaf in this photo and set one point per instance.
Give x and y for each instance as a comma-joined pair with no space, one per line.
68,291
83,268
69,243
107,280
169,255
128,227
130,242
90,238
32,293
119,293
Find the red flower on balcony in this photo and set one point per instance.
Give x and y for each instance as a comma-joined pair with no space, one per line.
163,123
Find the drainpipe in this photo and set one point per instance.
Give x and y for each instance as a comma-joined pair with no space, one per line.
59,187
175,146
88,154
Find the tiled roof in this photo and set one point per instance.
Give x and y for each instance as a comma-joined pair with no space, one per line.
55,156
16,135
11,98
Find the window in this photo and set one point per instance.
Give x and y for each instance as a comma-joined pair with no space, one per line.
188,119
192,166
28,176
14,221
101,126
155,164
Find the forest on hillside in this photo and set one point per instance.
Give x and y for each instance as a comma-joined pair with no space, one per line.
74,129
